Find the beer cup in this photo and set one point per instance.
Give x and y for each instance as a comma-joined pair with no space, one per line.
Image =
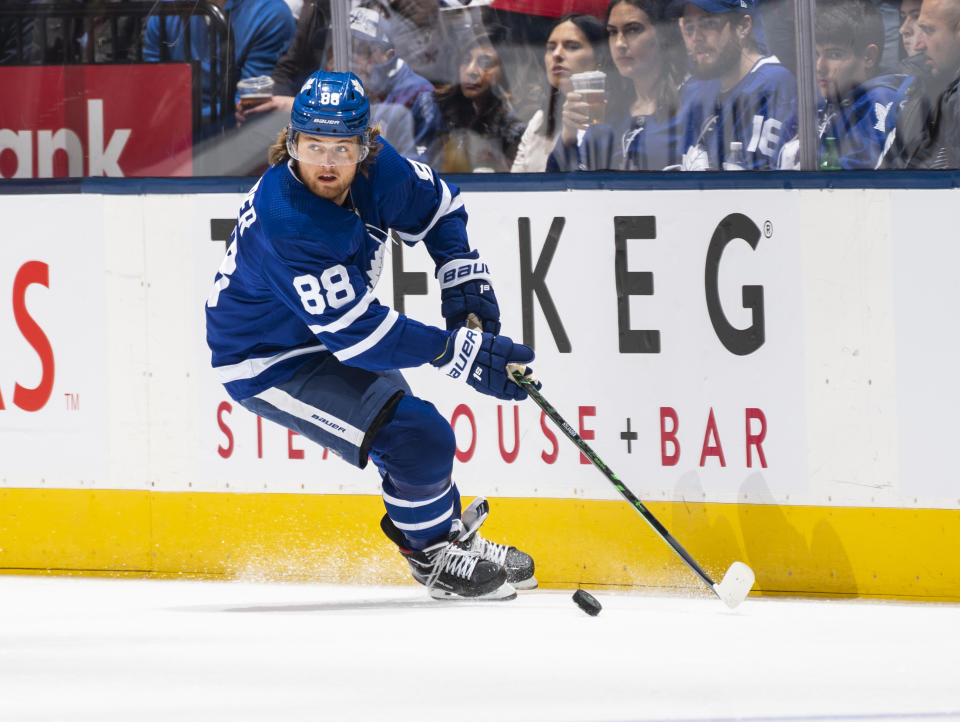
592,86
254,91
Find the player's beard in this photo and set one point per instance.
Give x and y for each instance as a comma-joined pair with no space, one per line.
727,57
330,182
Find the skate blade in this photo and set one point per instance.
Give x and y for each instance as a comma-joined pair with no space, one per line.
525,584
503,593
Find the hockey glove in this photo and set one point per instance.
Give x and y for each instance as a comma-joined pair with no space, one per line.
481,360
465,288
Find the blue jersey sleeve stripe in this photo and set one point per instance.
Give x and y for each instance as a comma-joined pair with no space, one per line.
370,341
448,204
348,318
252,367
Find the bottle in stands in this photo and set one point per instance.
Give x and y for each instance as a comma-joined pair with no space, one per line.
829,155
735,159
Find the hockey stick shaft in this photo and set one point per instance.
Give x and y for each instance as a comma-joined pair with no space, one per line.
568,431
739,578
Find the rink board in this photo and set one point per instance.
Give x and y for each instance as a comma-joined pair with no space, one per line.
891,553
772,369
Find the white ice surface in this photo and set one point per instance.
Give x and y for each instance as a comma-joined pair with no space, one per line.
143,650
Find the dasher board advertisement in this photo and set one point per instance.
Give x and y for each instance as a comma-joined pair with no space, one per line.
54,362
762,346
96,120
673,342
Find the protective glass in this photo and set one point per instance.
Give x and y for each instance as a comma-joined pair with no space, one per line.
707,24
327,150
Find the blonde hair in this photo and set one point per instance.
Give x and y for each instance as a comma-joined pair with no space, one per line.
278,152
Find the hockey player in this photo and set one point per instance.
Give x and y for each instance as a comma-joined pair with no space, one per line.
299,338
737,94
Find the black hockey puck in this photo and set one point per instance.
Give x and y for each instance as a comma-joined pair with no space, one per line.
587,602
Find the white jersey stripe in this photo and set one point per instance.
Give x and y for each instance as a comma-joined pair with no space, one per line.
425,524
318,417
359,308
447,205
252,367
370,341
765,60
394,501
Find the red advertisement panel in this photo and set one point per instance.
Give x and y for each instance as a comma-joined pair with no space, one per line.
95,120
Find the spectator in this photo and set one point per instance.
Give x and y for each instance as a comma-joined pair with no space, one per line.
402,101
927,131
890,14
737,94
308,52
854,100
526,25
422,37
403,104
642,130
476,128
262,30
909,12
576,43
912,61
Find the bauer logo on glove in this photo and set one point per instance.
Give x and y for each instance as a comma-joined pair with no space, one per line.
462,359
460,271
488,361
466,288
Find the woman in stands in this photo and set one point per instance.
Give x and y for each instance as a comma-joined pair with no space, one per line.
577,43
476,128
642,129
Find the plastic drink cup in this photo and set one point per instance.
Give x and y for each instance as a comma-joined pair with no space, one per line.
254,91
592,86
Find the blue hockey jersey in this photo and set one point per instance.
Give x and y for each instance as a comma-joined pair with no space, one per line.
760,112
859,121
406,110
641,142
299,274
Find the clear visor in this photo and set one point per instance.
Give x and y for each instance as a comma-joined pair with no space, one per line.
327,149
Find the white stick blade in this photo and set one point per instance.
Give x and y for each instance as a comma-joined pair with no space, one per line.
736,584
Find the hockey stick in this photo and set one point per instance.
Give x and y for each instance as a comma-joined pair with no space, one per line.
739,578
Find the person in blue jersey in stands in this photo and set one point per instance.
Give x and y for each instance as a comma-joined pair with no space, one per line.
642,125
403,104
739,98
261,31
299,337
855,103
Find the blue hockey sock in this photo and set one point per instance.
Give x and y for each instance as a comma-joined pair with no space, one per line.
414,451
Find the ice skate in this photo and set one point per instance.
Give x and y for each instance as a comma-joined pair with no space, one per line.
518,565
450,571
